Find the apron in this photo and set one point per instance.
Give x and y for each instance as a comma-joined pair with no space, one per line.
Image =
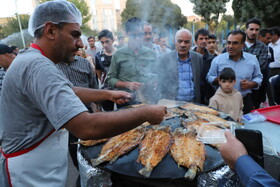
45,165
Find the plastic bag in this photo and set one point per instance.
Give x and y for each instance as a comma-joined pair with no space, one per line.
253,117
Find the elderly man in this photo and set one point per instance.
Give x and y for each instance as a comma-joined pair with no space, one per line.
6,58
245,65
33,130
179,71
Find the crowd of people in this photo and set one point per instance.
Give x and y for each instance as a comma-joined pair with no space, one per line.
59,85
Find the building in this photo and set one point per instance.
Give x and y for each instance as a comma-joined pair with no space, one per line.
106,14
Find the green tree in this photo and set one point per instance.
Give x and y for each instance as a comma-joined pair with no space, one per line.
12,25
162,14
268,11
210,11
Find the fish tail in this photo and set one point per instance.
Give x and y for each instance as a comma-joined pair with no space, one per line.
95,162
114,159
191,173
146,171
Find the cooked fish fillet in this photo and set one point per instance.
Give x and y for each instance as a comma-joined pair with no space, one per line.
188,152
153,148
119,145
91,142
212,118
203,109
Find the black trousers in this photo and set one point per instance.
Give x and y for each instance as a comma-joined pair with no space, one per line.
248,104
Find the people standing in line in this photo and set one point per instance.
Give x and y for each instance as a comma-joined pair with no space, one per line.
260,50
34,129
227,99
133,65
274,67
179,71
148,38
201,40
245,66
92,49
7,56
103,60
212,45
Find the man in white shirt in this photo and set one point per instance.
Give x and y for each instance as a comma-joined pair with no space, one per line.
274,67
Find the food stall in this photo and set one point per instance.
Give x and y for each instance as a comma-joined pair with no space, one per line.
125,170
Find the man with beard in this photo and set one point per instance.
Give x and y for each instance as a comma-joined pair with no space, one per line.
148,38
39,105
245,65
179,71
131,66
201,39
260,50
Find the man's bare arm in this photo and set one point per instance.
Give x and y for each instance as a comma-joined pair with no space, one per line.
108,124
88,95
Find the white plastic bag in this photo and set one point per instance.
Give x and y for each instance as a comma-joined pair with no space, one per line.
253,117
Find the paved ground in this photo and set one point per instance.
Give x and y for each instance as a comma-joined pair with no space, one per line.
72,174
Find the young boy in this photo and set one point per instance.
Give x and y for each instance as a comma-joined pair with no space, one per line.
227,99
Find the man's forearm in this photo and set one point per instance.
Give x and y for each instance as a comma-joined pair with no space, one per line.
88,95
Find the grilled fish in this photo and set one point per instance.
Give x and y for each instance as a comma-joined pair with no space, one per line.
212,118
198,108
187,151
153,148
91,142
119,145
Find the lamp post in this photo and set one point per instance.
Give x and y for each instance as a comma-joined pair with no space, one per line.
193,28
19,23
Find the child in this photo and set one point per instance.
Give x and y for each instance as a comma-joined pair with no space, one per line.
227,99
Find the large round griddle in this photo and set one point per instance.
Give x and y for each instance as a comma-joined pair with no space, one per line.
167,168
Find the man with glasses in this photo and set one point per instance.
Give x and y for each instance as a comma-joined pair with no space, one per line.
245,65
132,66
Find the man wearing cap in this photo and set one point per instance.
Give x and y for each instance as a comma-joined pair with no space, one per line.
6,58
38,104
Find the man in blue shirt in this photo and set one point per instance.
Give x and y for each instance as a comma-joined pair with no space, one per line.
250,173
245,65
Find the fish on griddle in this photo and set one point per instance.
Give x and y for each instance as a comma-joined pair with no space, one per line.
212,118
198,108
119,145
88,143
188,152
153,148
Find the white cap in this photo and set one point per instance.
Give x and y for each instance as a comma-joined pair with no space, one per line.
57,11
